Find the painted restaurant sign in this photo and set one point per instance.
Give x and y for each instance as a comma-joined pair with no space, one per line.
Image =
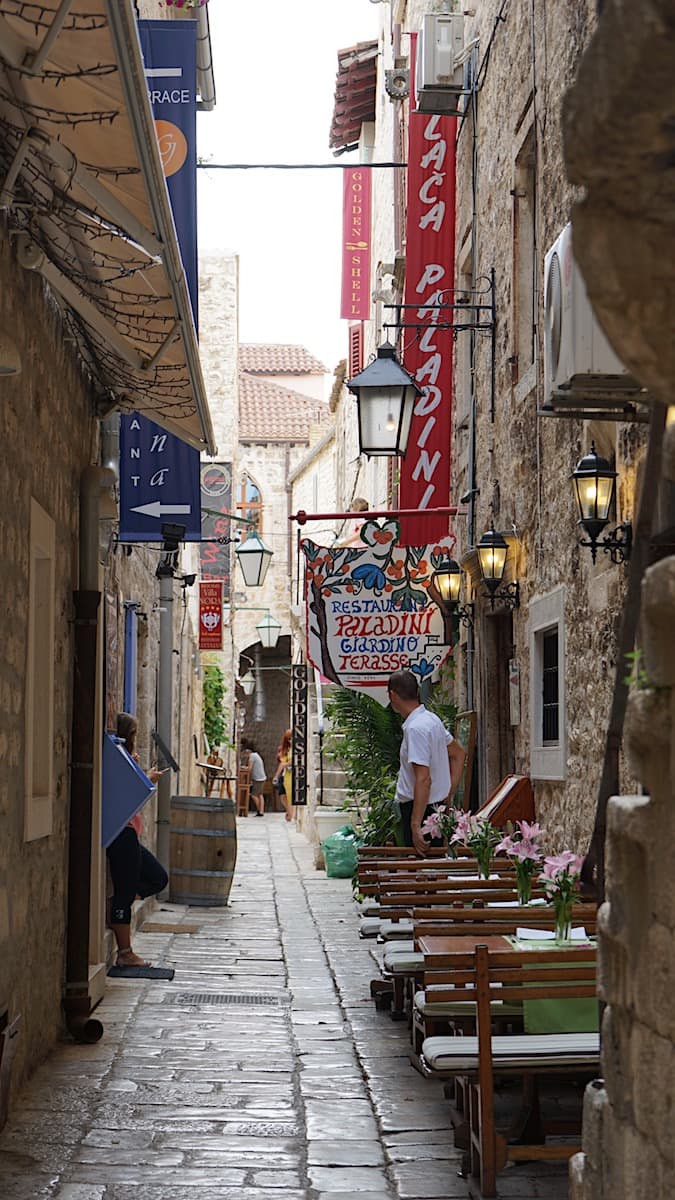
375,609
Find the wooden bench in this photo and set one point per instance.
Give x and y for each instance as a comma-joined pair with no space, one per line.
487,977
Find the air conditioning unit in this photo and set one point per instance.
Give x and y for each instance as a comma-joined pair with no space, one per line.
578,359
439,70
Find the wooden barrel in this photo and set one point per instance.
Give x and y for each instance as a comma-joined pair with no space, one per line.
203,850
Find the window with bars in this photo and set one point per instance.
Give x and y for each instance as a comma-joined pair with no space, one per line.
548,722
550,700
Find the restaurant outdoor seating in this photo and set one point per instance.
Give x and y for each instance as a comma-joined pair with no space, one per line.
403,964
499,973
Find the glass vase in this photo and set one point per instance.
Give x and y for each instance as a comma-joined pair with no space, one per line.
524,885
484,861
563,921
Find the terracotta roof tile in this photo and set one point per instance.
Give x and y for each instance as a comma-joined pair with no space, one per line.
270,358
269,412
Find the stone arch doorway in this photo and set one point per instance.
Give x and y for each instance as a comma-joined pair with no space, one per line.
266,713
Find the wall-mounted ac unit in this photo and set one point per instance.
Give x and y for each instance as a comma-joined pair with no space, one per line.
439,80
578,359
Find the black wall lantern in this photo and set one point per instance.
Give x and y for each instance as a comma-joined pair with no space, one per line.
492,551
445,586
594,482
385,398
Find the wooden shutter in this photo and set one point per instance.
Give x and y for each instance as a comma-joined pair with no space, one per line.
355,358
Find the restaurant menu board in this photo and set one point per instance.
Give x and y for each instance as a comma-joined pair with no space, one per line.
125,788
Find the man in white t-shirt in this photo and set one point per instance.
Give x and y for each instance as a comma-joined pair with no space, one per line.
258,775
431,759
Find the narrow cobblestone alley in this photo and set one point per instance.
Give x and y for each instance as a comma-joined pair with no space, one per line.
261,1071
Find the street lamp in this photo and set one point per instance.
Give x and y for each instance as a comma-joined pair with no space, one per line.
492,550
247,684
254,559
268,630
385,398
594,482
446,582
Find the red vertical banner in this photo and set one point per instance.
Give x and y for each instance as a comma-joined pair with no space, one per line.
211,615
355,304
429,282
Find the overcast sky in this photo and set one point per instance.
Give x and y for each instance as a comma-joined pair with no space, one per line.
275,67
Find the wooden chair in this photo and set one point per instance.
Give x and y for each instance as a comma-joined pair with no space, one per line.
243,789
485,978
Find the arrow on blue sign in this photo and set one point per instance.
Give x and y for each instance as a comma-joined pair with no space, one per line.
159,479
157,509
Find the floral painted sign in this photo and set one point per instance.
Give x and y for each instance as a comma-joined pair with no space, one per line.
375,609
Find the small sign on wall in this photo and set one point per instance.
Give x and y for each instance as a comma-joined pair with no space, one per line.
514,691
211,615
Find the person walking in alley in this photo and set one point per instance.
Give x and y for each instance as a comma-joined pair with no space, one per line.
282,776
133,869
258,775
431,759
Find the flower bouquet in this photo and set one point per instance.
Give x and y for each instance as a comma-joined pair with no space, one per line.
560,878
524,847
442,823
479,836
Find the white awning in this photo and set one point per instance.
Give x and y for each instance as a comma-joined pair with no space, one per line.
81,180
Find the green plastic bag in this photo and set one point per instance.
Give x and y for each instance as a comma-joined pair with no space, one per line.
339,852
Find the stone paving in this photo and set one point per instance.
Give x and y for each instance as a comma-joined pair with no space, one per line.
305,1094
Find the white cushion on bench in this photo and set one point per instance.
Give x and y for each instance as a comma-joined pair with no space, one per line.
397,930
404,961
369,927
513,1051
370,908
459,1008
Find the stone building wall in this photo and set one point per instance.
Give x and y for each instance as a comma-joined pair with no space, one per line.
523,462
218,345
618,149
47,435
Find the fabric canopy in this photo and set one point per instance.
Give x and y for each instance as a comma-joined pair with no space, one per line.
83,184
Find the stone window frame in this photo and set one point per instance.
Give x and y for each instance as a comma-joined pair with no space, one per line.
546,613
39,696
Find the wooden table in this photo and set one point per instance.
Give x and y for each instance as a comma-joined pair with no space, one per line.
461,943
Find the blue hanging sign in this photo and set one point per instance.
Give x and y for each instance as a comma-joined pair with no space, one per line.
170,55
159,482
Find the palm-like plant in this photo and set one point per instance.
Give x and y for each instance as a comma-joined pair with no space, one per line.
365,740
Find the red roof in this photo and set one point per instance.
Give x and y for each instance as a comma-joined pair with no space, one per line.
269,412
355,89
265,358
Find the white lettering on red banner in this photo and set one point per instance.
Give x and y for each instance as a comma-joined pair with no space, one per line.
430,268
